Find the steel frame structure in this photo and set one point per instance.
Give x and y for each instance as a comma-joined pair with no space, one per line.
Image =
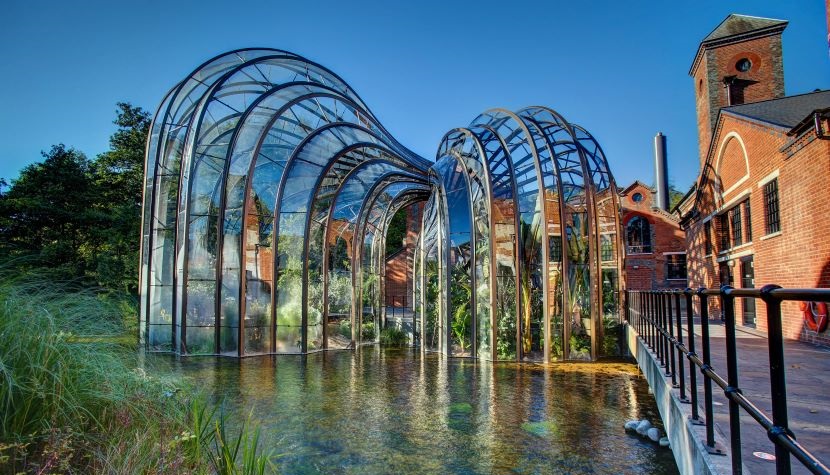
269,187
530,242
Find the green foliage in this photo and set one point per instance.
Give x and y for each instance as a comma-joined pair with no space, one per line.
431,303
610,337
580,345
231,455
675,196
393,336
396,232
367,331
460,298
506,319
344,327
118,176
80,219
610,305
47,214
74,400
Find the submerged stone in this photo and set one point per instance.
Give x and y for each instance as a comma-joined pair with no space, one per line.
653,434
541,428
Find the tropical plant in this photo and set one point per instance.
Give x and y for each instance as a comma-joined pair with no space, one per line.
506,317
460,299
579,298
431,303
394,337
367,331
531,244
610,336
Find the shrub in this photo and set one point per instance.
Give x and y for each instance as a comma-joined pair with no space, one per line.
367,331
393,336
73,399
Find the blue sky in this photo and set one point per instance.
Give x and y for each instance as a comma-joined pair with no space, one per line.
617,68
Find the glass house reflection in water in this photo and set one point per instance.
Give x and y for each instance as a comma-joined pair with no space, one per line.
269,189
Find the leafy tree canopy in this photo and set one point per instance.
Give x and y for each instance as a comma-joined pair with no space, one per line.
675,196
396,232
76,217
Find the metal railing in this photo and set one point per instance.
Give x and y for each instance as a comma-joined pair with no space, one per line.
657,317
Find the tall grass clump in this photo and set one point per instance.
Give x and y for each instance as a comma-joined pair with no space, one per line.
73,398
394,337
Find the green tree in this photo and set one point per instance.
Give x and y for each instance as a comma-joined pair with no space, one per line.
675,196
78,218
48,211
396,232
119,176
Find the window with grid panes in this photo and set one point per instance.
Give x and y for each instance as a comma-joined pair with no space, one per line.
638,236
606,248
747,221
676,266
736,225
723,232
771,217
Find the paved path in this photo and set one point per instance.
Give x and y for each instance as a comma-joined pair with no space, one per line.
808,395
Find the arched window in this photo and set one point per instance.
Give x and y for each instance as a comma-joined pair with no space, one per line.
638,236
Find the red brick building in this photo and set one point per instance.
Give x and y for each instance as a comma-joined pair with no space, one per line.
655,246
760,209
398,274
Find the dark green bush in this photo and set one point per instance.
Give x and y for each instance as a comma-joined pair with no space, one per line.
393,336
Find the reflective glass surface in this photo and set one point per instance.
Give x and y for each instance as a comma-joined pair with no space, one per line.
269,192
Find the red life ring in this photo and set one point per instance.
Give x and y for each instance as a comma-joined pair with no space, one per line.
815,315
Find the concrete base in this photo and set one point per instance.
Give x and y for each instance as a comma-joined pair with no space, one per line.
688,440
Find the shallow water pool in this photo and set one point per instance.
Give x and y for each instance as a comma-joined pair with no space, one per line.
392,411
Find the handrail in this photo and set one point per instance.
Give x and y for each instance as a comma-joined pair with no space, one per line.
651,314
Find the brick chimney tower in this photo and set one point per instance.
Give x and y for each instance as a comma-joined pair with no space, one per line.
739,62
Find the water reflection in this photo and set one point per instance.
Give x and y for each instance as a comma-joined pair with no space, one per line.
392,411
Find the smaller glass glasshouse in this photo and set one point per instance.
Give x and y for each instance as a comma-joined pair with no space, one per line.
269,190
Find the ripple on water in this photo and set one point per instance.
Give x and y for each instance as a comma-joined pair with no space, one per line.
391,411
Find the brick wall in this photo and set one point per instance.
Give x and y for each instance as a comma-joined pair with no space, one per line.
798,255
398,280
764,80
648,270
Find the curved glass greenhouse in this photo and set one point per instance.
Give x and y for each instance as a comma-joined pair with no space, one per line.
269,189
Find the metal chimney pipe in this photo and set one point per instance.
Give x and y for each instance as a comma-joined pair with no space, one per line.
661,172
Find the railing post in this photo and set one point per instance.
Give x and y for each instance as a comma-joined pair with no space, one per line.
635,307
664,336
658,315
681,366
661,306
655,335
627,307
640,310
727,301
647,316
777,377
708,407
670,326
641,313
692,373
